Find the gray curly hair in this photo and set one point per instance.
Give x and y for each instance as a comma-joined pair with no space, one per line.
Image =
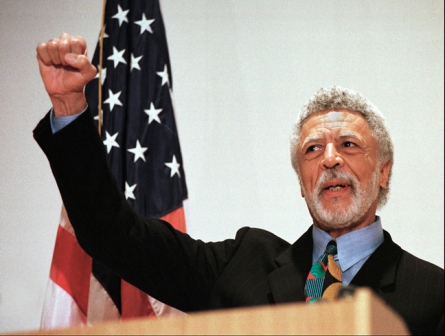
334,98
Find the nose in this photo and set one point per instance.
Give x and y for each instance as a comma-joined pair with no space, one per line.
331,158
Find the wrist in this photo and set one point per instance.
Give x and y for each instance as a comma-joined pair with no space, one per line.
68,105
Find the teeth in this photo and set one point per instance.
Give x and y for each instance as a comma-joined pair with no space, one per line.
336,188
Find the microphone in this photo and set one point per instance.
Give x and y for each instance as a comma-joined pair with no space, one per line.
346,292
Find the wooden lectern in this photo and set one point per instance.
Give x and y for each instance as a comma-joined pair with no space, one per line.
361,314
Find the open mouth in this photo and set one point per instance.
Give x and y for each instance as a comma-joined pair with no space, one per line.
336,187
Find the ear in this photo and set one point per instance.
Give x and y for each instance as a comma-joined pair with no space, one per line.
385,169
299,182
301,189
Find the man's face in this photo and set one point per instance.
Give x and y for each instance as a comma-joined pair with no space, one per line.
339,171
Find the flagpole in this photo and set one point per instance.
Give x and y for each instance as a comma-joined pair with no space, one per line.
101,44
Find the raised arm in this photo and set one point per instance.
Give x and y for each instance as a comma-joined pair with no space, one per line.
65,70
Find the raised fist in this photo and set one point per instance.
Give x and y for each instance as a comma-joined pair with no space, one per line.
65,70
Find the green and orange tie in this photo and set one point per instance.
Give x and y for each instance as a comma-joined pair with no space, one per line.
325,277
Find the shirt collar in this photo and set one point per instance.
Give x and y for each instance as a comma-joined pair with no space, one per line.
352,246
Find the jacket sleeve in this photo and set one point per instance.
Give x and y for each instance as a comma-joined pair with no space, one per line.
148,253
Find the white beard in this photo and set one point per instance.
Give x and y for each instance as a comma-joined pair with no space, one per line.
342,217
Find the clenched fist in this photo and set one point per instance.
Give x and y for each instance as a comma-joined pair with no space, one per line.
65,70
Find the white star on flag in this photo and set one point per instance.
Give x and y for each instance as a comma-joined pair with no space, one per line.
164,75
121,15
97,117
138,151
117,57
145,24
129,191
153,114
113,99
110,141
174,166
104,75
105,33
135,62
139,154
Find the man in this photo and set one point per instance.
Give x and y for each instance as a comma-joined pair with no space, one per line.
343,156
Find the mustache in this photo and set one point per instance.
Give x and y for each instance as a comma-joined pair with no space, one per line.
334,173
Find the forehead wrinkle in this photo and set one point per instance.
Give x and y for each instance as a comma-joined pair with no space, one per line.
350,134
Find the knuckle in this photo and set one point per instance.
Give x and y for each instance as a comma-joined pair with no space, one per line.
52,44
63,45
40,47
80,42
79,38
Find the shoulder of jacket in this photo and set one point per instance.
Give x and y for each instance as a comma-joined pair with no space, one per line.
261,236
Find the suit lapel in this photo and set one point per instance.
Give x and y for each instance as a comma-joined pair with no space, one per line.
287,281
380,269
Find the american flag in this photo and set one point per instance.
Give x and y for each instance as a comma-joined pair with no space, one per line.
140,136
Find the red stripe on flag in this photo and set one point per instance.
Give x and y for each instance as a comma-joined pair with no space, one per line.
176,218
71,268
135,303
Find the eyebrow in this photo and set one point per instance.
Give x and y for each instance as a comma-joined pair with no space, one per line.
342,135
312,137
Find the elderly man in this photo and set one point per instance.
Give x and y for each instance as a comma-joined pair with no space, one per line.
342,153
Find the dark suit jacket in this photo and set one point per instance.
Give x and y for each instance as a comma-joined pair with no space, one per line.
254,268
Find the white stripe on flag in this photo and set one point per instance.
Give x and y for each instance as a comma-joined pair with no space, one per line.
100,306
60,310
161,309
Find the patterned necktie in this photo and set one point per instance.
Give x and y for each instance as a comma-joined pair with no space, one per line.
325,277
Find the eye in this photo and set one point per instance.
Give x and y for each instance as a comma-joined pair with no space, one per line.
348,144
312,148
